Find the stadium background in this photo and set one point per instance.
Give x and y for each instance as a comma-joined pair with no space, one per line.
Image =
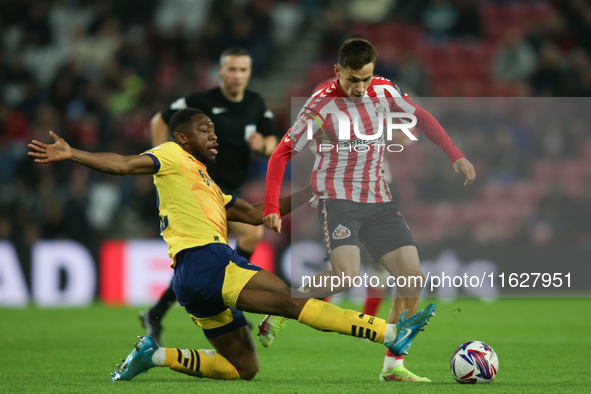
95,72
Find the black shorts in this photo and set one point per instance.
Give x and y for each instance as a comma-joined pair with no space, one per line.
378,226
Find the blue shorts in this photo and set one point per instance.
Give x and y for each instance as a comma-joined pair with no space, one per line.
207,282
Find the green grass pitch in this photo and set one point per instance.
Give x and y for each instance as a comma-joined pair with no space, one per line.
543,347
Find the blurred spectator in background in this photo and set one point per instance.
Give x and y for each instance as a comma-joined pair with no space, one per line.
468,24
439,18
578,78
515,59
369,12
411,75
550,78
578,17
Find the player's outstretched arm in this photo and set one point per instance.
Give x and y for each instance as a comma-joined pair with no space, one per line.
436,134
109,163
244,212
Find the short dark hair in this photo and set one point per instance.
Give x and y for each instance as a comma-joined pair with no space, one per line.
356,53
234,51
180,119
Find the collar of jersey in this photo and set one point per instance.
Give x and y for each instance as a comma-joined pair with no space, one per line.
193,159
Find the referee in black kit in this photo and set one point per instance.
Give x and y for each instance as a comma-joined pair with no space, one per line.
242,124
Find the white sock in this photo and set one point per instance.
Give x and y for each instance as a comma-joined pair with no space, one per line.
391,361
158,357
390,333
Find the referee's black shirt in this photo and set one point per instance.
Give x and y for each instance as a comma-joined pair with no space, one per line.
234,123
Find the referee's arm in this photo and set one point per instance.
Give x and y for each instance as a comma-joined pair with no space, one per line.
158,129
270,145
262,146
264,141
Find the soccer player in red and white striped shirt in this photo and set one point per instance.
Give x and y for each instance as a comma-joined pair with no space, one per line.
375,292
353,198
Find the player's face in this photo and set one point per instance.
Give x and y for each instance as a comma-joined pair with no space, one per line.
235,72
201,140
354,83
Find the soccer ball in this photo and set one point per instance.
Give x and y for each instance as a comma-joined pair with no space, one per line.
474,362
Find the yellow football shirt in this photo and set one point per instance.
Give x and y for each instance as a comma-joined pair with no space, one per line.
192,207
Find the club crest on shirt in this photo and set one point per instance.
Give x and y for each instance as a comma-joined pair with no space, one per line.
380,109
341,232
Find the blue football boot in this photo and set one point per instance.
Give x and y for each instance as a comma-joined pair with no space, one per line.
139,361
408,329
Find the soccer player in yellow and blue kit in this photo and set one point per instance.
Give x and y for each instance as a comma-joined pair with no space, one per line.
211,280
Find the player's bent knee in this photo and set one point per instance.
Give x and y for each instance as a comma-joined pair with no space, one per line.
246,365
249,371
419,279
416,274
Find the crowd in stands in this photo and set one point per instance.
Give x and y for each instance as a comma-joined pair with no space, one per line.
95,72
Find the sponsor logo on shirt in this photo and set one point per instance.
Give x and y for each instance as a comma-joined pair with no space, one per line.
290,136
206,179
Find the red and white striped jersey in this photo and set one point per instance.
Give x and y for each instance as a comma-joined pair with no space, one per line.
349,168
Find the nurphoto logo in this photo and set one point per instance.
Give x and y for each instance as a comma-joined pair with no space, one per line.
388,121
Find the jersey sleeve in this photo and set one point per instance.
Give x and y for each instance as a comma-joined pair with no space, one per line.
266,120
431,128
193,100
275,171
228,201
292,142
307,126
426,123
167,158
